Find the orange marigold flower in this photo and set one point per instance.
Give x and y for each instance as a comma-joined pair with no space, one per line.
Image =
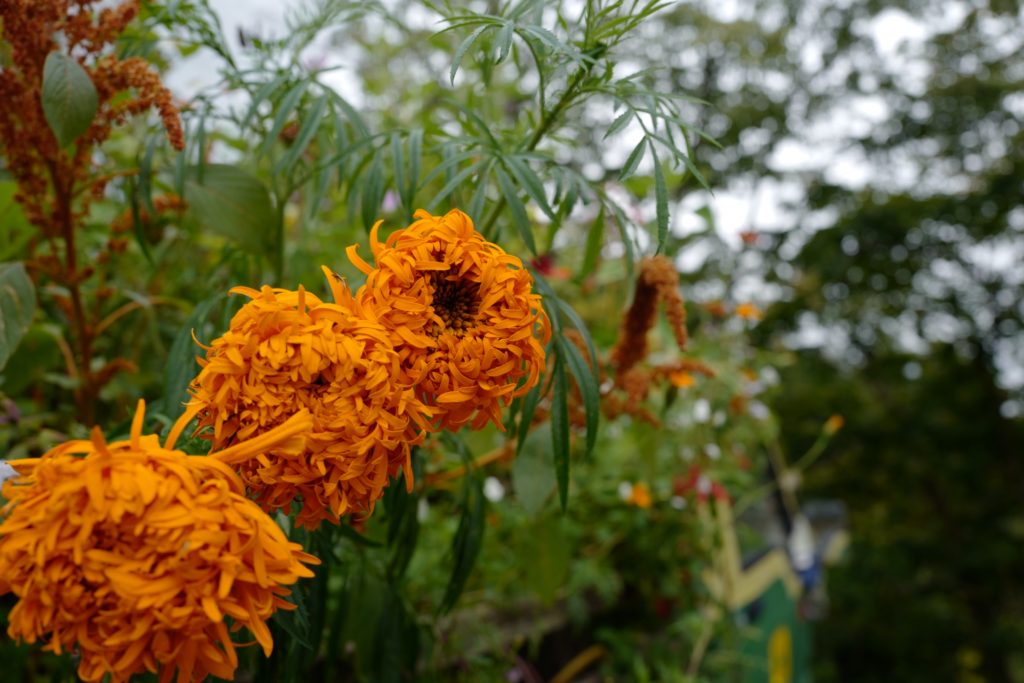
131,554
287,350
462,313
749,311
681,379
640,496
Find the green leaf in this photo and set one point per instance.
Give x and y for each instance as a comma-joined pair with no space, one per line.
69,97
504,42
546,554
519,215
233,203
181,365
462,50
592,250
373,193
305,134
468,539
529,182
588,385
287,105
633,160
378,623
398,167
621,121
453,183
401,508
530,401
17,307
533,472
560,429
661,200
415,158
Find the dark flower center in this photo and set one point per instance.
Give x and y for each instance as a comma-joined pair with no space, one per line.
456,302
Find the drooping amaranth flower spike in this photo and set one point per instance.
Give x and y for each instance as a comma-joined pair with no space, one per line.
133,555
462,314
287,350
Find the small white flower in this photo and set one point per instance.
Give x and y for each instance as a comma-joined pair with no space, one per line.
703,485
713,451
625,490
758,410
493,490
678,502
702,410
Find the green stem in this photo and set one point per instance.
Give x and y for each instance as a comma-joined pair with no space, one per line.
547,120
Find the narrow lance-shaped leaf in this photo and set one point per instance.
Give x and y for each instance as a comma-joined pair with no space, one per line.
661,200
69,97
413,178
587,383
461,51
592,250
181,365
284,109
398,167
620,122
529,182
633,160
373,193
305,135
519,215
468,537
560,428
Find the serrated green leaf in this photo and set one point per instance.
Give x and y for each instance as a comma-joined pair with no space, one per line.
661,200
17,307
233,203
519,215
560,428
633,160
69,97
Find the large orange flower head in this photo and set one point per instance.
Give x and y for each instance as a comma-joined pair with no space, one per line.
287,350
133,555
463,315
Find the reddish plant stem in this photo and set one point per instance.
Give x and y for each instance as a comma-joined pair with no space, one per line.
86,394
